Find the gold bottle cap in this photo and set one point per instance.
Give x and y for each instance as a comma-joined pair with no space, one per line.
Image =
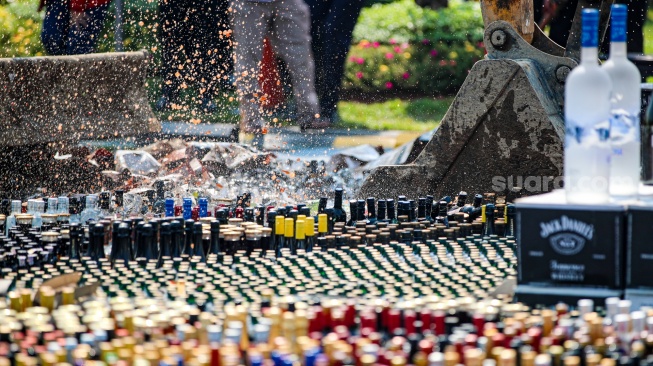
289,227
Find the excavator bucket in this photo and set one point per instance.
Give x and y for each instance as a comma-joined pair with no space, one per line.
504,131
69,98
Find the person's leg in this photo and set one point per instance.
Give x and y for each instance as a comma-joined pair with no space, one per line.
339,28
55,27
561,24
636,19
83,36
292,41
250,25
171,35
319,13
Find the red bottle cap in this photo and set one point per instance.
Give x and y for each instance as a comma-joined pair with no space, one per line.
438,321
409,321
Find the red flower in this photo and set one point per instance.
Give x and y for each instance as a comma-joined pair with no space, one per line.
359,75
388,85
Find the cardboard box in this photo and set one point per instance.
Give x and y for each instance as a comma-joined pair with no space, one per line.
550,296
639,247
570,245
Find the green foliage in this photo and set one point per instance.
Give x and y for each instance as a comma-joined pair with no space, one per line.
407,47
405,21
421,114
20,29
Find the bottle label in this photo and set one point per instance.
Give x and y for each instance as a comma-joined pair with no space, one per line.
624,129
590,28
598,134
619,23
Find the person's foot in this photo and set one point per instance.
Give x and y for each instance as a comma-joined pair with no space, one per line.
314,123
254,126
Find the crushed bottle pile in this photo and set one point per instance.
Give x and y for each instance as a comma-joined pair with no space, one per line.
208,169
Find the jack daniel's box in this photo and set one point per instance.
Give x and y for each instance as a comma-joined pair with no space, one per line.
569,245
639,247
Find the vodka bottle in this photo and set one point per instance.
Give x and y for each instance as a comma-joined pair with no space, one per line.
38,209
587,120
626,103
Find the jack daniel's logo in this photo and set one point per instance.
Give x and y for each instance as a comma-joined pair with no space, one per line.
566,236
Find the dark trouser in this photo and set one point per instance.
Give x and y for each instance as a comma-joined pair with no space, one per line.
332,24
60,37
195,44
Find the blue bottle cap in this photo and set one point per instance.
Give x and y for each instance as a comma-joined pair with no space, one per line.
170,207
188,206
204,207
619,21
590,28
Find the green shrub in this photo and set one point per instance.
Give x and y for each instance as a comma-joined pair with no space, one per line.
20,29
414,49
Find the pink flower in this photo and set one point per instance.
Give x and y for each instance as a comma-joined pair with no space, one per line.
405,76
359,75
452,62
443,62
376,44
434,52
392,41
426,42
397,49
404,45
389,55
388,85
360,61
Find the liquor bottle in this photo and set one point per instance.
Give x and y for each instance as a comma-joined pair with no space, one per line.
421,209
214,247
625,164
322,205
429,206
169,207
38,209
159,206
51,207
353,213
381,210
188,208
510,220
176,238
371,211
197,244
96,242
442,218
289,234
300,237
279,236
16,208
339,214
119,203
76,233
392,215
204,207
187,247
121,248
322,225
90,214
487,218
310,233
587,120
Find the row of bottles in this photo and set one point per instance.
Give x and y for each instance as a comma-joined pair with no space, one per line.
602,107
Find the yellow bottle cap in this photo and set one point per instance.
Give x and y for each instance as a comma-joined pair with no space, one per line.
300,227
322,223
310,226
278,224
289,229
301,217
483,218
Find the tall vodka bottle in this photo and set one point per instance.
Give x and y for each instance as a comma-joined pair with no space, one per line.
625,165
587,121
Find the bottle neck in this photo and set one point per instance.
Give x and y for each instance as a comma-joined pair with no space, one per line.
589,56
618,50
